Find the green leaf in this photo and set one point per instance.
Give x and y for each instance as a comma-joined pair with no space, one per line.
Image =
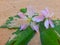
23,37
4,26
17,16
48,36
11,42
57,25
11,18
17,31
57,28
23,10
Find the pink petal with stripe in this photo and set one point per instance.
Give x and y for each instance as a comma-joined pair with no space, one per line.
23,27
21,15
45,12
38,18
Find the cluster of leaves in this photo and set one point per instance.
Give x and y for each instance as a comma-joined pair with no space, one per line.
22,38
48,36
9,21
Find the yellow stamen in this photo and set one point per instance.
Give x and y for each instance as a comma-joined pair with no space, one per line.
29,20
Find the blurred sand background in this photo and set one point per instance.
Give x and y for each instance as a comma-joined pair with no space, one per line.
11,7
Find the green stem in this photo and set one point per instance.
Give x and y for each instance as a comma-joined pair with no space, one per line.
9,27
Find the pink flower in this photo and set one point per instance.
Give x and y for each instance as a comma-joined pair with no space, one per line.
48,22
30,17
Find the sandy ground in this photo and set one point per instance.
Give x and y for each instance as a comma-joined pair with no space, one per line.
11,7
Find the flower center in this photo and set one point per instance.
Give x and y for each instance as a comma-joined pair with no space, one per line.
29,20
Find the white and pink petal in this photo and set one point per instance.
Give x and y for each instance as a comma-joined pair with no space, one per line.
30,11
34,26
51,23
46,23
